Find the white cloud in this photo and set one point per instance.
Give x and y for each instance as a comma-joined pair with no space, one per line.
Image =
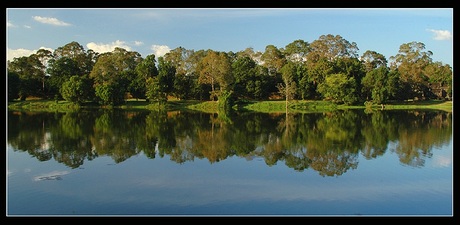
20,52
50,20
160,50
101,48
138,43
441,35
9,24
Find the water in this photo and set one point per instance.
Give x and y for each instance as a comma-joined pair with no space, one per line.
143,163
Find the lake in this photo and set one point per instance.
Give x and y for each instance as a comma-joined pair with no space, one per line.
182,163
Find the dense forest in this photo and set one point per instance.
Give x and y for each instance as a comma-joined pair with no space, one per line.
328,68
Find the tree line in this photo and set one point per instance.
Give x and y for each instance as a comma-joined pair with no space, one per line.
328,68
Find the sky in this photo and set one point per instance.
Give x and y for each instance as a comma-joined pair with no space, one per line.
158,30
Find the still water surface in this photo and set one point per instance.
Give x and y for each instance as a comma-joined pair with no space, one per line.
148,163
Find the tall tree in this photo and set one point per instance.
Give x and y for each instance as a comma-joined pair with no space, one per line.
351,67
305,88
191,84
180,58
85,60
77,89
264,84
44,56
166,76
440,79
215,69
112,74
154,90
30,72
331,47
60,70
244,71
145,69
185,62
68,60
410,63
289,88
323,54
380,85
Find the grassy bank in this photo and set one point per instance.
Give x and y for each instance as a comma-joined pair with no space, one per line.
293,106
431,104
212,106
322,106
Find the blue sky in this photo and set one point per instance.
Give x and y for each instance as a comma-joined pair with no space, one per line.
155,31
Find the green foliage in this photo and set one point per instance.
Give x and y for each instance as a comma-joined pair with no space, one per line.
77,89
317,72
410,63
373,60
147,67
155,91
144,70
328,68
303,85
244,72
339,88
226,100
66,61
289,89
181,87
110,94
273,60
440,77
380,85
251,80
214,69
14,85
113,73
30,72
297,50
166,76
137,87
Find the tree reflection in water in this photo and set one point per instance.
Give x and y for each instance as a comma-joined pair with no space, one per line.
329,143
